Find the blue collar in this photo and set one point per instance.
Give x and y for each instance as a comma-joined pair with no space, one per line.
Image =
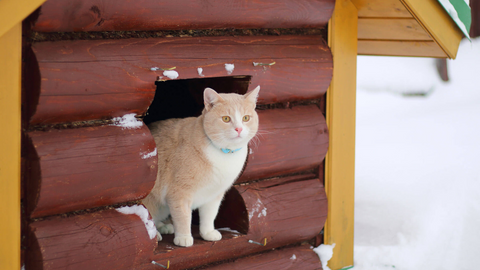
226,150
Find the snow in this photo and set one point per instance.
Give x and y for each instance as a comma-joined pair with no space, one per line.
325,253
227,229
293,257
229,68
149,155
417,186
142,212
128,121
256,209
172,74
200,72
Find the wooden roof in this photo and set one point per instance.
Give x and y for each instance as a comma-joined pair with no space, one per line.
406,28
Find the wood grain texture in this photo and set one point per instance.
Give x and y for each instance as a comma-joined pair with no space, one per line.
110,15
284,211
82,168
100,240
391,29
93,79
381,8
289,140
400,48
294,258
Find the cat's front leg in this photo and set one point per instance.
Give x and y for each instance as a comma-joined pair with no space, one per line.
207,213
181,213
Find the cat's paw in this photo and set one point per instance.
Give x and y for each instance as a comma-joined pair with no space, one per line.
183,241
159,236
211,235
166,229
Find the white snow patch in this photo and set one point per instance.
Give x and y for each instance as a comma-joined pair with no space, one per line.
154,68
200,70
172,74
293,257
149,155
227,229
416,165
127,121
229,68
325,253
256,209
142,212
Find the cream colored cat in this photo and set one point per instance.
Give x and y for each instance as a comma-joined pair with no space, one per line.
198,161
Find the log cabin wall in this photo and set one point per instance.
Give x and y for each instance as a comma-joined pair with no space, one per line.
89,64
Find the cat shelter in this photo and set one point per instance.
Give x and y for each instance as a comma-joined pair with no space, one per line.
79,76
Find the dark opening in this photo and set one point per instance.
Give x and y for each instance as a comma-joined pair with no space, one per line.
184,98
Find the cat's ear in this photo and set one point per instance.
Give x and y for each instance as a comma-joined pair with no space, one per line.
210,97
253,95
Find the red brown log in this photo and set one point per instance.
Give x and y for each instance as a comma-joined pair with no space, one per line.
98,79
283,211
300,257
97,15
289,140
74,169
100,240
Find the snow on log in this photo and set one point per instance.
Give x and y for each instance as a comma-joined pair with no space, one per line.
75,169
282,211
97,15
289,140
102,240
99,79
300,257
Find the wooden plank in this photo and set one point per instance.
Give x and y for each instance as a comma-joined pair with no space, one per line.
300,257
92,79
340,159
436,21
10,104
391,29
284,211
100,240
381,9
74,169
289,141
13,12
146,15
400,48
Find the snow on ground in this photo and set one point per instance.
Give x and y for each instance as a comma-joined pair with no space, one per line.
417,188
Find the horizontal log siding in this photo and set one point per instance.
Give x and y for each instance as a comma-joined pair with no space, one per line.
98,79
141,15
74,169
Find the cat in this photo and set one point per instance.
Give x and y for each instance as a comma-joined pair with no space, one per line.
199,158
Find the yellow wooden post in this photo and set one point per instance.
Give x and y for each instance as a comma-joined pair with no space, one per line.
340,160
10,102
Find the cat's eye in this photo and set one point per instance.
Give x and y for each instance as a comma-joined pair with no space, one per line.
246,118
226,119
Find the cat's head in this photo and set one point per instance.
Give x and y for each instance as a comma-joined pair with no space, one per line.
230,120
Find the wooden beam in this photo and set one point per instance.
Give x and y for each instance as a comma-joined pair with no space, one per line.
12,12
381,9
436,21
400,48
340,160
391,29
10,121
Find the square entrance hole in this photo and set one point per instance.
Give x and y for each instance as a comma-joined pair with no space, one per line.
184,98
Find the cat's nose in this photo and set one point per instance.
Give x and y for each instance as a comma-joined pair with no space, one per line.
238,130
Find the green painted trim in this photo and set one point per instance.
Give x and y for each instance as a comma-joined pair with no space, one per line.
463,14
